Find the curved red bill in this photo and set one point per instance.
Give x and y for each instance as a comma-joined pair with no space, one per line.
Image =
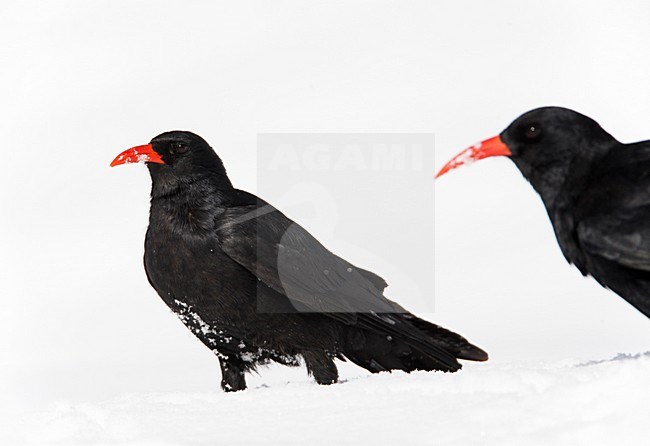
138,154
485,149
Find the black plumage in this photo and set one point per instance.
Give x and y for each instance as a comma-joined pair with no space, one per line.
254,286
596,191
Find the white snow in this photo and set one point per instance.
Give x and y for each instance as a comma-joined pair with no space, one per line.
188,316
562,403
464,158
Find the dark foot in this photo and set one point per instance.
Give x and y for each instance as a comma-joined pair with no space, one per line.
232,375
321,366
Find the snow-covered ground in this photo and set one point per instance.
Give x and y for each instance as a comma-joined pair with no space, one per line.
599,402
561,403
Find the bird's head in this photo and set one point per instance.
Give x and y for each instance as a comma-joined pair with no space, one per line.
175,156
547,144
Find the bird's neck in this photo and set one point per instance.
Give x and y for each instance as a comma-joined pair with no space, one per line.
561,185
561,182
550,181
187,205
171,181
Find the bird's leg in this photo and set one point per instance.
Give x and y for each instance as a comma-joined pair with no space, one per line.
321,366
232,373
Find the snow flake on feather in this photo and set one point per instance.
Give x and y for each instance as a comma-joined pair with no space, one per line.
387,319
214,337
198,326
249,356
220,355
193,320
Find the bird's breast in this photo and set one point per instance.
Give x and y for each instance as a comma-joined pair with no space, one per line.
195,271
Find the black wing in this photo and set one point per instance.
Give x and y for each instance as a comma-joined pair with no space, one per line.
613,221
288,259
623,238
285,257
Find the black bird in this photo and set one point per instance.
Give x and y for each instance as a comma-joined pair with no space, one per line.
255,287
596,191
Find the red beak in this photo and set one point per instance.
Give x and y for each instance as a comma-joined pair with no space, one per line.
138,154
485,149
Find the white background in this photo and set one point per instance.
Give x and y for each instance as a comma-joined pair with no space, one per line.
81,81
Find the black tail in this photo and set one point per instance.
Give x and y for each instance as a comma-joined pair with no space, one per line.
454,343
405,342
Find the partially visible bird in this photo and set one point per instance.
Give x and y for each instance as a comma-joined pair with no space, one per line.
255,287
596,191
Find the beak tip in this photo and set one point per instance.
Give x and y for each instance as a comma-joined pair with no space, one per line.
446,168
490,147
117,161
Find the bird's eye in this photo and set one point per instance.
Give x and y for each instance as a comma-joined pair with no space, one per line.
180,148
533,131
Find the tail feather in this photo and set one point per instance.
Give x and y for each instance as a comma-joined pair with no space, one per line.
434,348
454,343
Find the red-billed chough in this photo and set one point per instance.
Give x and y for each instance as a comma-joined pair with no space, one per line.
255,287
596,191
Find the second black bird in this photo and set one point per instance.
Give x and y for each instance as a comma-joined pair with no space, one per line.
255,287
596,191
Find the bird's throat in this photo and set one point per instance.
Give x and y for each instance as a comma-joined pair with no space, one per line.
188,207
